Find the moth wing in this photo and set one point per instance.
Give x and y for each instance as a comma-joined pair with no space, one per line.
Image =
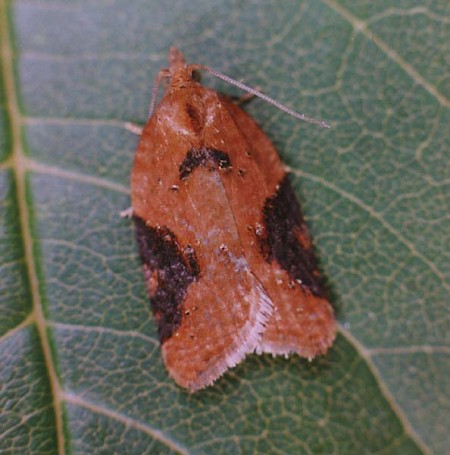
222,321
281,253
303,324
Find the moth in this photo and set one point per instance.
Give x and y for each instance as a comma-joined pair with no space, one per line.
227,257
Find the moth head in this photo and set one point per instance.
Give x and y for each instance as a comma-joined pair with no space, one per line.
176,58
179,73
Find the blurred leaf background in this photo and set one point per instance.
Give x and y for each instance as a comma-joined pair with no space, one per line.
81,368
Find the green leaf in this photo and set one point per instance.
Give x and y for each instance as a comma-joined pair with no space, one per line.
81,367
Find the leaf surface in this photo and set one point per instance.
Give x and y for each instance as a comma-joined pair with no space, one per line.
81,367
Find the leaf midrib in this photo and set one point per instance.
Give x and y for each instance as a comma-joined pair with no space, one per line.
19,169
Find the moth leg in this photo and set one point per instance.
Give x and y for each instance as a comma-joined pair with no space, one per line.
133,128
289,169
242,99
238,100
127,213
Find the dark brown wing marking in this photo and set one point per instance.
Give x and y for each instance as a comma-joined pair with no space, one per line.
202,157
168,271
287,240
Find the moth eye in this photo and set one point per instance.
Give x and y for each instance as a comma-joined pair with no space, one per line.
196,75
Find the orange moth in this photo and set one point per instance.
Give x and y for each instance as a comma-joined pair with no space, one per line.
227,257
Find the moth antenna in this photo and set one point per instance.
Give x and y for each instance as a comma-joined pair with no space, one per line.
266,98
155,90
156,83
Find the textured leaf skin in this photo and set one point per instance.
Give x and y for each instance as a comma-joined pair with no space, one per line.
374,189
